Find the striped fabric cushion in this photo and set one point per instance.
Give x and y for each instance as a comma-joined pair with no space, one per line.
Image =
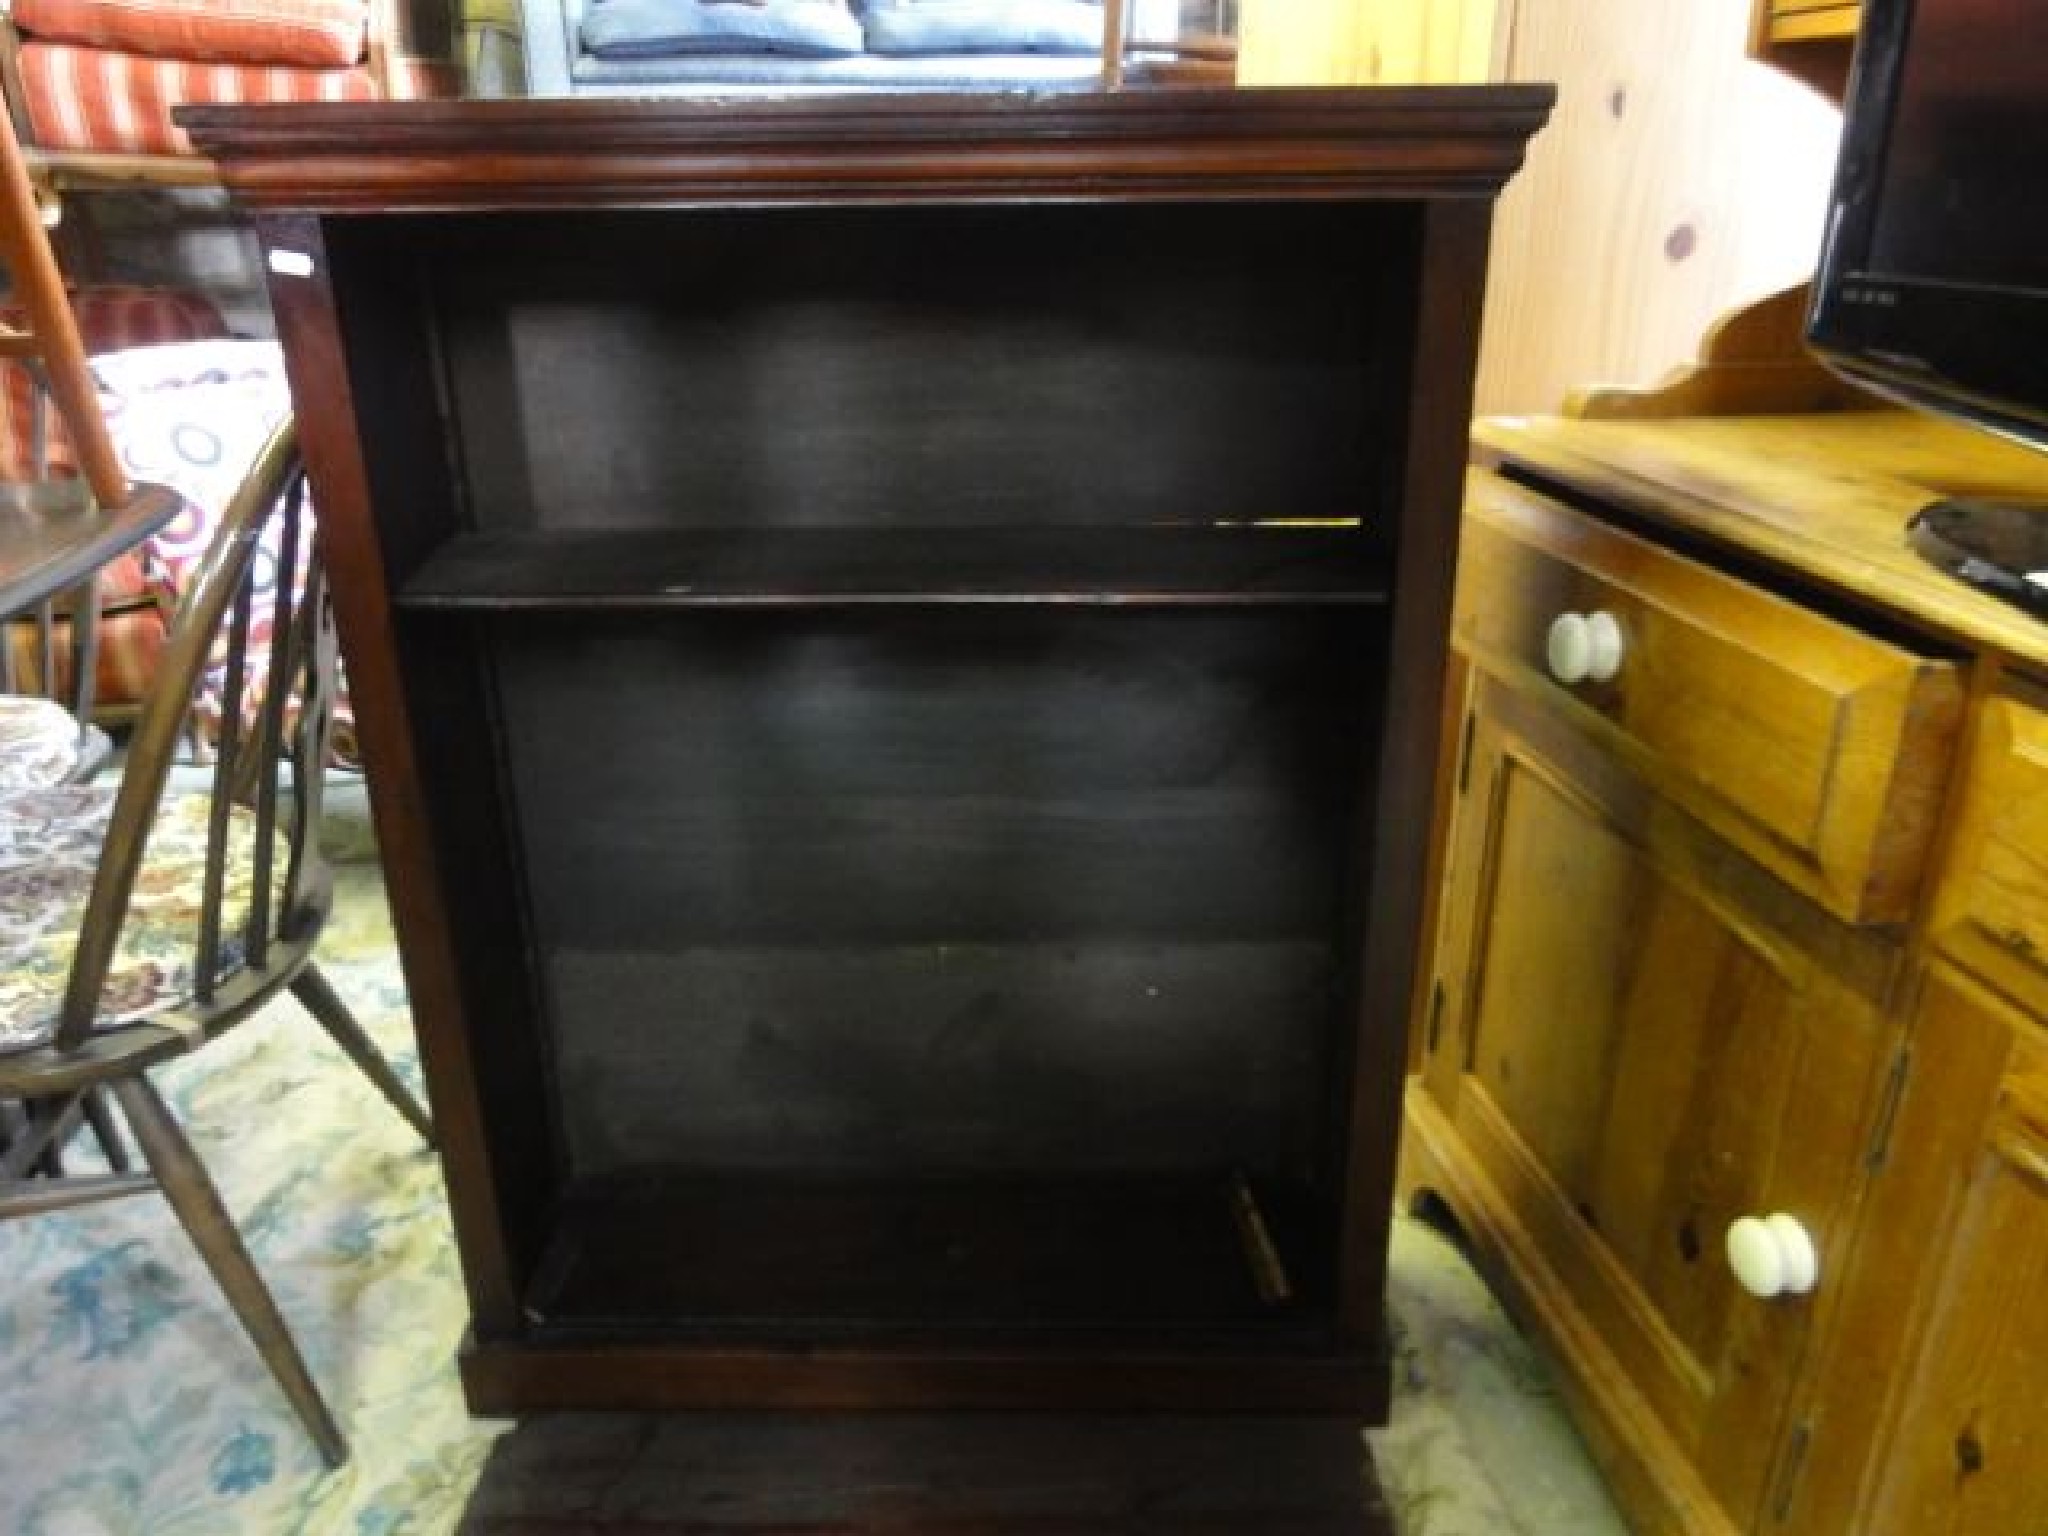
98,99
114,317
111,318
312,34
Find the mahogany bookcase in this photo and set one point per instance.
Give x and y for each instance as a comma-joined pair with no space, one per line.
897,644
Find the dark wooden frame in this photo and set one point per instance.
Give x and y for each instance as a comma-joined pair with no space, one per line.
349,200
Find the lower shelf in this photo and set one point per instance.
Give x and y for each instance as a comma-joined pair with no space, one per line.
1153,1260
1115,1293
511,1377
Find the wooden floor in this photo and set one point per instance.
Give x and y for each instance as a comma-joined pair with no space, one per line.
895,1475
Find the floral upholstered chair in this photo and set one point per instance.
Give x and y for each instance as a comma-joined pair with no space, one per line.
138,923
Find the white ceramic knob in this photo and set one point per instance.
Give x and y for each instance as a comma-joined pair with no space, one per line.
1584,645
1772,1256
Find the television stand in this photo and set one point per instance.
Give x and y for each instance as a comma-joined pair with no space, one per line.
898,644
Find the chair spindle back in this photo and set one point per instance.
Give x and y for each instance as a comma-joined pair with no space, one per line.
275,717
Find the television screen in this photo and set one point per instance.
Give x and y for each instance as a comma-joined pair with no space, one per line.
1963,196
1933,284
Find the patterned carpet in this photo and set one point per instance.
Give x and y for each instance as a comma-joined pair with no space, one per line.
133,1404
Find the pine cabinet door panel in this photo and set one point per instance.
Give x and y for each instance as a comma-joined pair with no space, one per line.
1650,1050
1699,1094
1967,1457
1543,1035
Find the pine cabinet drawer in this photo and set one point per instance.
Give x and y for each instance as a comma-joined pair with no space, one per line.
1806,20
1992,911
1816,748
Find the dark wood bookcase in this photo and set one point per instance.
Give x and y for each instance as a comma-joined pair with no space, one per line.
897,645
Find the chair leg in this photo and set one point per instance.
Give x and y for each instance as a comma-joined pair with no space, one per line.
105,1129
320,999
198,1206
51,1164
28,1139
55,1116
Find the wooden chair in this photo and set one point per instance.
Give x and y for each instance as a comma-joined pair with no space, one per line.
1186,58
139,924
93,651
91,88
40,740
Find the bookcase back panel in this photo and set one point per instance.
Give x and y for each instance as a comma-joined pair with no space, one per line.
948,892
937,367
942,1060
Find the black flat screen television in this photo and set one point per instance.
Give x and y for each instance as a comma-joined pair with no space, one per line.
1933,279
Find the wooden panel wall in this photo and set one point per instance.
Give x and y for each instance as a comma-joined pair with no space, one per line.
1369,42
1678,179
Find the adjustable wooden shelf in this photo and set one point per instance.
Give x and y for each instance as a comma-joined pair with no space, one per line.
897,643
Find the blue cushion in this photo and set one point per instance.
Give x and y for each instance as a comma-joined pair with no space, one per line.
984,26
770,74
642,29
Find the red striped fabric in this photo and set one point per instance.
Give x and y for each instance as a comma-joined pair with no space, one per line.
111,318
311,34
120,103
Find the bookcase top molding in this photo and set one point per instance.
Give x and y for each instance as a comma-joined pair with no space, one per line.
1407,142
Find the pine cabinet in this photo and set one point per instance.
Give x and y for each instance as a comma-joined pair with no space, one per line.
1958,1224
1969,1453
1991,912
1696,1059
1731,1051
1786,21
1810,40
1642,1037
